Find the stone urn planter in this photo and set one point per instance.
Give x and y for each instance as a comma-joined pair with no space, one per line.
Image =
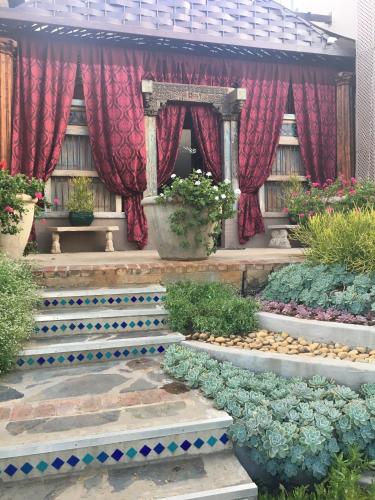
168,243
14,244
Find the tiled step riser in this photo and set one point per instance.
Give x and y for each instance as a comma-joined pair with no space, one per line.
84,356
154,321
132,300
41,465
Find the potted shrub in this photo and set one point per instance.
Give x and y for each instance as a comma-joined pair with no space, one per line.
19,196
186,217
81,202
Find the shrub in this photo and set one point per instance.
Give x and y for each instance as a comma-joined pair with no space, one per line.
81,198
209,307
322,286
18,298
290,426
346,238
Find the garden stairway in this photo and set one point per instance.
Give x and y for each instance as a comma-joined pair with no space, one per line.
89,413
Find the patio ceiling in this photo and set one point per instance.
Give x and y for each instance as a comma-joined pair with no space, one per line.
259,28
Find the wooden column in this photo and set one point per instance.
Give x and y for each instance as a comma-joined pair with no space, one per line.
345,125
152,160
7,49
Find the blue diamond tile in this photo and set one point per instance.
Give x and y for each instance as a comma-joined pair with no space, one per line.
198,443
118,300
63,328
45,329
57,463
117,354
30,361
111,300
140,323
87,459
147,322
99,355
79,302
156,322
135,351
20,362
72,326
11,470
124,324
131,453
26,468
42,466
47,303
134,299
71,302
156,299
117,455
108,355
95,301
54,328
98,326
102,457
103,300
87,301
143,350
126,353
126,300
161,349
61,359
132,324
71,358
152,350
55,302
90,356
72,461
80,357
224,439
145,450
185,445
159,448
212,441
172,447
81,326
115,325
51,360
89,326
106,326
141,299
41,361
63,302
148,298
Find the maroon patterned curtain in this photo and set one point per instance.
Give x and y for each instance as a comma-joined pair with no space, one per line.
43,92
314,91
206,125
260,127
169,125
115,117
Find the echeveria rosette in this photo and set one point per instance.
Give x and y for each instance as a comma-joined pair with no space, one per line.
206,202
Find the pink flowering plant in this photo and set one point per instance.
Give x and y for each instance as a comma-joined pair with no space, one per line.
12,207
304,200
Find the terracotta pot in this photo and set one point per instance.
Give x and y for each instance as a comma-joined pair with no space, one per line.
167,243
14,244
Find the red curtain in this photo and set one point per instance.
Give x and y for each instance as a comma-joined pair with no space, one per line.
43,92
115,117
260,127
314,92
206,124
169,125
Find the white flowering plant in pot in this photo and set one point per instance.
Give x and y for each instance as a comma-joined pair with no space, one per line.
200,203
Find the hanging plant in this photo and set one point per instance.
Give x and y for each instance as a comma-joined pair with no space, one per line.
200,203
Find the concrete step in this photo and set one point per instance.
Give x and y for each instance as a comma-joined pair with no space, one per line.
87,350
216,476
102,297
101,320
69,419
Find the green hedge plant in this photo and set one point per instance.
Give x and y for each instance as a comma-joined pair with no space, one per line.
214,308
289,426
18,299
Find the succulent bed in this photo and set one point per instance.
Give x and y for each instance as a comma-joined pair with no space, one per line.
283,343
289,426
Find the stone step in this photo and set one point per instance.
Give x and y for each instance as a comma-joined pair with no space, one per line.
101,320
68,419
216,476
44,353
102,297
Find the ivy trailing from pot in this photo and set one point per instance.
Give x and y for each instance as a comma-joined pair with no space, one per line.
200,208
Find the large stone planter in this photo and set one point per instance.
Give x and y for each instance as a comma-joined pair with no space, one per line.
167,243
14,244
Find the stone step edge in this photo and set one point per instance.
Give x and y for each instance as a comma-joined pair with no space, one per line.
90,292
98,314
239,492
208,424
108,344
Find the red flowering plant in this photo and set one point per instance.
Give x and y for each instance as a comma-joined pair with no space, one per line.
12,206
303,200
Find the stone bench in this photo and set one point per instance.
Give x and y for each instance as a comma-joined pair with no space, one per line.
279,235
108,230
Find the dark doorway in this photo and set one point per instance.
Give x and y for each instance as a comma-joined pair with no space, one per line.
189,157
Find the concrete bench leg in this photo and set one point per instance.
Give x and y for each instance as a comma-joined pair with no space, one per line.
55,248
109,242
279,239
